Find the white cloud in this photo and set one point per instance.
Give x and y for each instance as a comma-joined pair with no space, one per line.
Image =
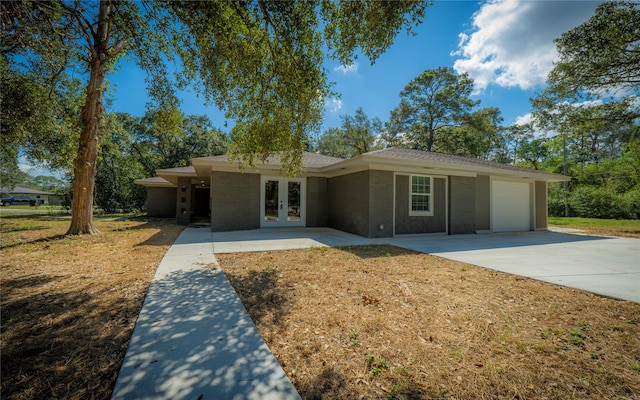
524,119
538,132
35,170
333,104
347,69
512,43
588,103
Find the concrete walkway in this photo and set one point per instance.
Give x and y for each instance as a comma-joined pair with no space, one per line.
193,338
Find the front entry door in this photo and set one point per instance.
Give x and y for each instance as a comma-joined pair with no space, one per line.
282,201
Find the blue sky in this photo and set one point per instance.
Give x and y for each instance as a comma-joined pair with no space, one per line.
506,46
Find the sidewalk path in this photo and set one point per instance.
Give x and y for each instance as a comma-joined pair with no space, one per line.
193,338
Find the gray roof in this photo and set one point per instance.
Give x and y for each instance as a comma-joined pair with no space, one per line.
178,170
429,156
393,156
309,160
153,181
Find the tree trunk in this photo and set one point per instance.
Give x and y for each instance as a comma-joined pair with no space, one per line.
84,168
84,172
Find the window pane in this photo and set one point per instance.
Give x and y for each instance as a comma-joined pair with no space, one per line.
271,201
293,212
421,184
419,203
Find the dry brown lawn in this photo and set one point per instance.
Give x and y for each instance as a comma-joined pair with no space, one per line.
69,304
380,322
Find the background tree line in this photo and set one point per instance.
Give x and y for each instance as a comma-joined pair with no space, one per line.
586,123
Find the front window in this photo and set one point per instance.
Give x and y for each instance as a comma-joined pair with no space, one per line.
420,195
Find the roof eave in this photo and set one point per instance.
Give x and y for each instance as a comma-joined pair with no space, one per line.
446,168
203,165
145,183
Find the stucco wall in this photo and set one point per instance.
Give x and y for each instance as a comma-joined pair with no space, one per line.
235,201
483,203
161,202
317,210
380,203
462,210
406,224
541,206
348,197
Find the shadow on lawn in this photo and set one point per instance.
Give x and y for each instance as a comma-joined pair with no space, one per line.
328,384
160,238
62,344
377,251
264,298
40,240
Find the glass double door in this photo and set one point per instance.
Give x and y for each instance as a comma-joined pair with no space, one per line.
282,201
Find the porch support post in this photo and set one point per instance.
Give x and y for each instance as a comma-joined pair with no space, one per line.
183,201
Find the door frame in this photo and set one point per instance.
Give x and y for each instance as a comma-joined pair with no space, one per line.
283,184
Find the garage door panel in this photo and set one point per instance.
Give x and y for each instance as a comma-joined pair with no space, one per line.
511,209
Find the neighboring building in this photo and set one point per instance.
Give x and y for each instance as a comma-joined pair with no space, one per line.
21,190
383,193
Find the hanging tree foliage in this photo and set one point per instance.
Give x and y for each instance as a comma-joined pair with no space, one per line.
259,61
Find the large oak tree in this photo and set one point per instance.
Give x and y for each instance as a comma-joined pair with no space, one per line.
260,61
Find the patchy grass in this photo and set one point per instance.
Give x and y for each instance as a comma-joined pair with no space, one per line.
378,322
69,304
607,227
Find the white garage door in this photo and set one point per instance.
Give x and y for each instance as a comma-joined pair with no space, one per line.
510,206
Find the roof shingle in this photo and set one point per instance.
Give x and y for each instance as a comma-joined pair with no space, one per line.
309,160
429,156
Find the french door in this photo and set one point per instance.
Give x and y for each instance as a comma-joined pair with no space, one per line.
282,201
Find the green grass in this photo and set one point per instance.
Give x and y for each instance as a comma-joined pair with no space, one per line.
616,227
594,222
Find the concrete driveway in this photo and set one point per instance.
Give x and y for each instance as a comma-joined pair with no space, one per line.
603,265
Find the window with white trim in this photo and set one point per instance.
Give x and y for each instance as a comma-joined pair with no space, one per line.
420,198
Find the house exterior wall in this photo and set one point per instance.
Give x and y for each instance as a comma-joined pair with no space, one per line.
483,203
406,224
380,204
462,209
317,207
161,202
235,201
348,197
183,201
541,206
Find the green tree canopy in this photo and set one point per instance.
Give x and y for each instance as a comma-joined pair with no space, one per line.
598,63
36,121
135,147
478,135
260,61
601,55
435,114
357,135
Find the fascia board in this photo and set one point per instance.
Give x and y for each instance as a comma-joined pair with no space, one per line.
151,184
453,169
165,172
260,168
